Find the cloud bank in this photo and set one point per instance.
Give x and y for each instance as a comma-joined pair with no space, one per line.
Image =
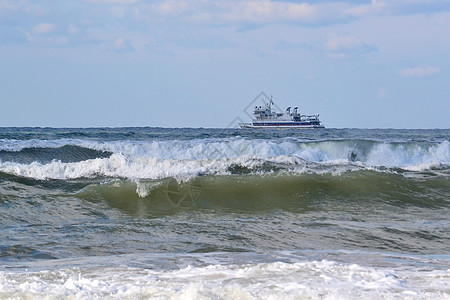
421,71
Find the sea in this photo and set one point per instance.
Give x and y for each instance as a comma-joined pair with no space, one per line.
184,213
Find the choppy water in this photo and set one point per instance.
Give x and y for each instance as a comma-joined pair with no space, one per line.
224,214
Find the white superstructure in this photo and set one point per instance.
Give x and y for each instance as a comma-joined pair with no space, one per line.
266,118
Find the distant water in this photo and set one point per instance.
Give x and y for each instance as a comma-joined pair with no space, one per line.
224,213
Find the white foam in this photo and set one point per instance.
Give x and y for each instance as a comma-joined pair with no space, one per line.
409,156
144,189
277,280
185,159
137,168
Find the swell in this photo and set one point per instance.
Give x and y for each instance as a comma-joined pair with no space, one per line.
365,189
64,154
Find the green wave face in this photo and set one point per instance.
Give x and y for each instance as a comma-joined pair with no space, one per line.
367,190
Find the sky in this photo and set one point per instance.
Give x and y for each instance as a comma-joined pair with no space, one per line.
201,63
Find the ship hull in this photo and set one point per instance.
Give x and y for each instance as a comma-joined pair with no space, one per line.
280,125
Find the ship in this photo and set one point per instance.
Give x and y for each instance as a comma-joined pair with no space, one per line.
265,117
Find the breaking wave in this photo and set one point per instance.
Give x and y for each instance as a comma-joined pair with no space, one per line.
185,159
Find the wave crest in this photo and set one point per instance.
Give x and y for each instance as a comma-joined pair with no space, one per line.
187,159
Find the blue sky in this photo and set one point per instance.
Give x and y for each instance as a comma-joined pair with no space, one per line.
199,63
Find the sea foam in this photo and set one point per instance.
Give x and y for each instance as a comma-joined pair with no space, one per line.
185,159
276,280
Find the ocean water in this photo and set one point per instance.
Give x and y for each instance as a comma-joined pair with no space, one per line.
224,213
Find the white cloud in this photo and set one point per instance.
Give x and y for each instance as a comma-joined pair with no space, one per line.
268,11
171,7
382,93
367,9
73,30
122,45
5,6
44,28
420,71
170,20
345,46
16,8
118,11
113,1
255,11
337,43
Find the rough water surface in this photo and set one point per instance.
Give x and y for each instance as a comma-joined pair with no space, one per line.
224,213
